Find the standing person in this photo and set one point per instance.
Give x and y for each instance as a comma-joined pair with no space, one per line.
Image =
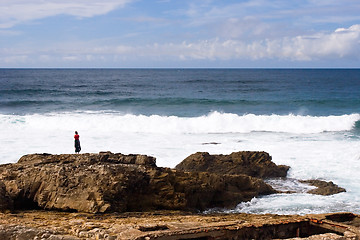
77,142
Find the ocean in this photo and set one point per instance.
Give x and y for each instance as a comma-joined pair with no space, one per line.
308,119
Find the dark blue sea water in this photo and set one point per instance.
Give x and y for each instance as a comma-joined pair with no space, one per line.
181,92
308,119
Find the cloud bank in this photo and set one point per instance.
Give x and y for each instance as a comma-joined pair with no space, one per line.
13,12
341,43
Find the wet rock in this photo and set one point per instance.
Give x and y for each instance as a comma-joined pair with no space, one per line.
255,164
323,187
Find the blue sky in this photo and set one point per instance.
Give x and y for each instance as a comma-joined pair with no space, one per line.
182,33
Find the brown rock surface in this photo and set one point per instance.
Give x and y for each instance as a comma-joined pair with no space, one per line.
255,164
108,182
323,187
170,225
6,202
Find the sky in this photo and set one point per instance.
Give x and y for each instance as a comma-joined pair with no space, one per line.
179,34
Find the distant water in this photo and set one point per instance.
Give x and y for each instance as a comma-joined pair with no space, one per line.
308,119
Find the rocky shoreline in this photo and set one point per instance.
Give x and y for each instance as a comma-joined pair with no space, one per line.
45,196
108,182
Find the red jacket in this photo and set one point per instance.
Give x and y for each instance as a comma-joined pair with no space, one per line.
76,136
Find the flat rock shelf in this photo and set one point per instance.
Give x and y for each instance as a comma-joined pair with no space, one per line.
170,225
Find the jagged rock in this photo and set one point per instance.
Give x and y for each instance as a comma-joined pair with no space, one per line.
108,182
255,164
323,187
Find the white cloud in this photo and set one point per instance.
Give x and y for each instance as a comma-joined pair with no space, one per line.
343,43
13,12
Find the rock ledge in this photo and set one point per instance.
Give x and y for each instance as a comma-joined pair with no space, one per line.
109,182
255,164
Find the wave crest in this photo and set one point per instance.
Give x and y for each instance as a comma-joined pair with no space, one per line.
214,122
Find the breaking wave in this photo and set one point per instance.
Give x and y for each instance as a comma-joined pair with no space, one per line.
214,122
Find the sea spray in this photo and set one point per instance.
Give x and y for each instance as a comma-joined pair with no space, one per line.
214,122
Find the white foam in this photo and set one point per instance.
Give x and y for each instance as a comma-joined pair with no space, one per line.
314,147
298,204
289,185
214,122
